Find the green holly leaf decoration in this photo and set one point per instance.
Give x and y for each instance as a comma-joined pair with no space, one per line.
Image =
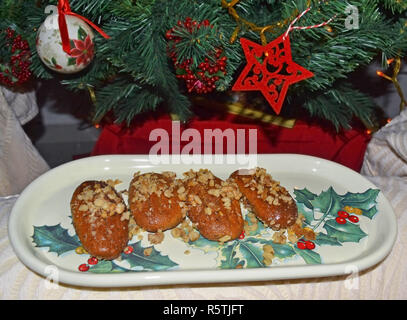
154,262
305,196
324,239
228,253
365,201
328,202
56,238
306,212
309,256
252,254
106,266
370,213
205,244
281,251
347,232
259,227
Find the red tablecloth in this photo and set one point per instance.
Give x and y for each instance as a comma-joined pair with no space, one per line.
347,147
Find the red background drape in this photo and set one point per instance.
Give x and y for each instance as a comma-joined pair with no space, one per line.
346,147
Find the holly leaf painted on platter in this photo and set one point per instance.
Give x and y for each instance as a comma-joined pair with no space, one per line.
329,202
347,232
230,260
56,238
365,201
154,262
281,251
107,266
309,256
370,213
260,227
305,196
252,254
324,239
306,212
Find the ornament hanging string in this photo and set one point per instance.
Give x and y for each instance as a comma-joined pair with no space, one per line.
65,9
292,27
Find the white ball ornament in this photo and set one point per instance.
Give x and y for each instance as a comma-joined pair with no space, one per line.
49,44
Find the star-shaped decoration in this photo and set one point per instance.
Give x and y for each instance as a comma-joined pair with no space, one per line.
270,69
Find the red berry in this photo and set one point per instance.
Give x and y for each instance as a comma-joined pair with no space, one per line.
310,245
92,261
301,245
128,250
354,219
83,267
242,235
343,214
340,220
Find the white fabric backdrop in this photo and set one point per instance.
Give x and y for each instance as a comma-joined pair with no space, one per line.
20,162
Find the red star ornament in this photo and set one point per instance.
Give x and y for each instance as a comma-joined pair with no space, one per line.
270,69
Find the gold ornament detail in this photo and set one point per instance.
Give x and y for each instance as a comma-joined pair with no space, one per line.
259,29
394,79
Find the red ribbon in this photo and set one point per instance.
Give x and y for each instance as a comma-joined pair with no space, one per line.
63,10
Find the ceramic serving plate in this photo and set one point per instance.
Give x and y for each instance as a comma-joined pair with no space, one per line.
354,224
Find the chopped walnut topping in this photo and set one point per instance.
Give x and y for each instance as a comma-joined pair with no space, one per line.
83,207
265,187
193,236
103,202
297,231
224,239
147,252
197,199
150,183
156,238
181,190
208,211
268,254
226,190
177,232
279,237
125,216
113,183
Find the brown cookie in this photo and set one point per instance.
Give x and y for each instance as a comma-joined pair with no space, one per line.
270,202
155,201
213,206
100,219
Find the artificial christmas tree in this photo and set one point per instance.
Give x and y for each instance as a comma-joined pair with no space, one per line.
132,72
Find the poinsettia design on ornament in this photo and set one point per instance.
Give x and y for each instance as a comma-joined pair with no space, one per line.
83,51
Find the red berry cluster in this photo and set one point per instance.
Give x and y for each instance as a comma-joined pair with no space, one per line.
201,79
86,266
17,70
128,250
305,245
343,215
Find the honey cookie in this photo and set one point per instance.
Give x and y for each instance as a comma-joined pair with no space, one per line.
156,201
271,203
213,206
100,219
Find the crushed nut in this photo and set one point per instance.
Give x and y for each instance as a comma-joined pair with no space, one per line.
147,252
156,238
